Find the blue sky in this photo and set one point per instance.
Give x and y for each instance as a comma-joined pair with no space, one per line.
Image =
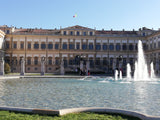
102,14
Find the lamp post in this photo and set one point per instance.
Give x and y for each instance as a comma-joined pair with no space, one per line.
42,66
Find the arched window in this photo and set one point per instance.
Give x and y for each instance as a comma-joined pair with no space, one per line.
57,61
35,60
28,60
50,60
97,61
91,61
105,61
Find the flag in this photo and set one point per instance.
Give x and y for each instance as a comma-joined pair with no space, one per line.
75,16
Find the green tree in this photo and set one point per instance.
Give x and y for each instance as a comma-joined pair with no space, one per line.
6,68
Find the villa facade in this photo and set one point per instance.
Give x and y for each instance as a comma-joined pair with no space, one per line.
106,50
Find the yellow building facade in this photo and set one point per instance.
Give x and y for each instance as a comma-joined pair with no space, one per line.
106,50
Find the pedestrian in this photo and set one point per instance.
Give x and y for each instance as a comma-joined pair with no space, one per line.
88,73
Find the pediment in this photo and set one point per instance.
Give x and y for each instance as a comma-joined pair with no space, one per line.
77,27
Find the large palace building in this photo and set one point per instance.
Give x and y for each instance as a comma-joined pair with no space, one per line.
106,50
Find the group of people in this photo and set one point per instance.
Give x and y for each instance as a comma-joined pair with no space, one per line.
83,72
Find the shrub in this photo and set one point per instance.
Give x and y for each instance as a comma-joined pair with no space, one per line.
6,68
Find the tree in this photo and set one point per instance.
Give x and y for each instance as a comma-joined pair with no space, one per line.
6,68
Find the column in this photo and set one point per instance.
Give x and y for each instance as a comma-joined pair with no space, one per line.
22,66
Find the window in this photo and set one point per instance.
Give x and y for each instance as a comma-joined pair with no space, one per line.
90,46
159,44
7,45
144,46
56,46
7,60
118,47
71,33
151,46
84,33
49,68
154,45
29,45
64,46
130,47
71,46
111,61
111,47
35,68
77,46
43,46
36,46
28,68
7,31
78,33
84,46
90,33
64,32
136,47
50,61
124,61
124,47
98,47
22,45
50,46
98,61
57,62
15,45
65,62
104,47
71,62
91,63
29,61
36,61
105,62
144,34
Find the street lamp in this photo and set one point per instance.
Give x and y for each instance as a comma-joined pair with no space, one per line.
42,65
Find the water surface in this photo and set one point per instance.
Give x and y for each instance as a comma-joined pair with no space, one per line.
60,93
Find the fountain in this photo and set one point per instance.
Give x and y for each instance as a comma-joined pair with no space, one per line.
120,75
116,75
152,74
141,71
128,71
